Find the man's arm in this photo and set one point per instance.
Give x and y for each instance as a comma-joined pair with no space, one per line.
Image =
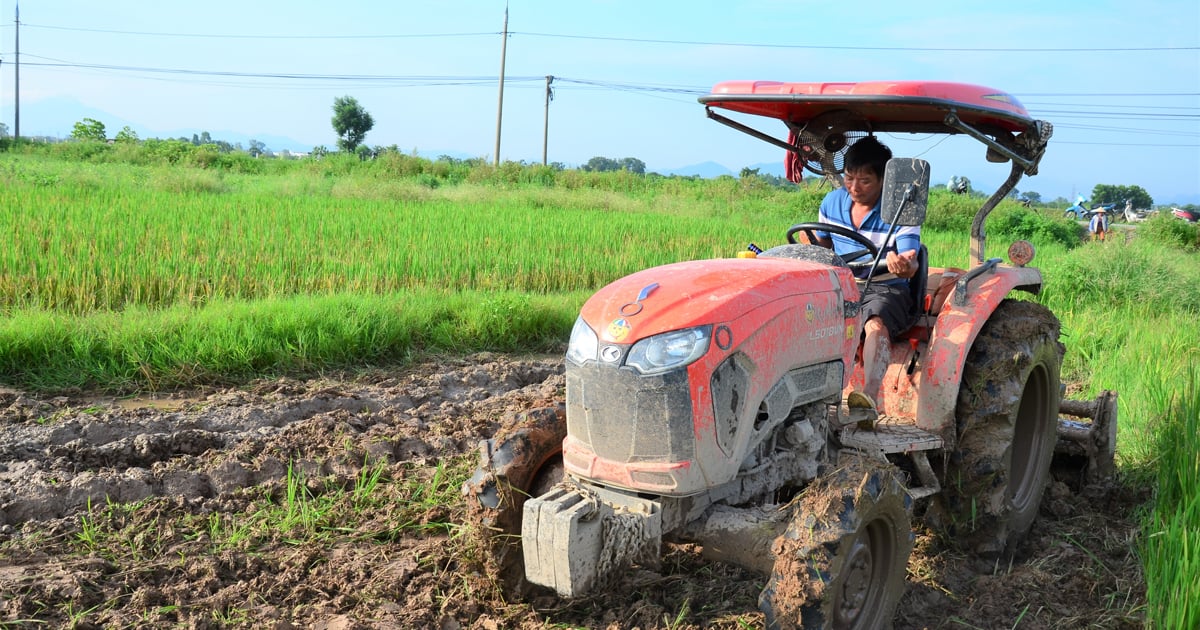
904,263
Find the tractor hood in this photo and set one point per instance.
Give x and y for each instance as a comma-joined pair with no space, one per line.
694,293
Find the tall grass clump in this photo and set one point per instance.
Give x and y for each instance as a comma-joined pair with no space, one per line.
950,212
1171,547
1164,229
230,342
1114,274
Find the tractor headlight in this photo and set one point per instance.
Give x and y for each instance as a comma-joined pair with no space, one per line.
583,344
669,350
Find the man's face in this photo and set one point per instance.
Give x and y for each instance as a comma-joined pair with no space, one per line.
864,185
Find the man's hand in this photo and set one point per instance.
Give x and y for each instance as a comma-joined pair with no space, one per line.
903,265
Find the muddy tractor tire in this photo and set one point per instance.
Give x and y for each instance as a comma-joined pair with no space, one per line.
524,459
842,561
1007,421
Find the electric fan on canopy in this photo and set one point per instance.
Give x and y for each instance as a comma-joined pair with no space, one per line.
823,142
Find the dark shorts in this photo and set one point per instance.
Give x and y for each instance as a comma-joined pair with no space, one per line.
891,303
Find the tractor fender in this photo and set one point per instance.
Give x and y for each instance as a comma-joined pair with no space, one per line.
954,334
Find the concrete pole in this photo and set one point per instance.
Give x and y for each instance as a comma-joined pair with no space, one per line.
500,105
546,123
17,77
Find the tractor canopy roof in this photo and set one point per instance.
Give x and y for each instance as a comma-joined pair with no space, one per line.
917,106
823,119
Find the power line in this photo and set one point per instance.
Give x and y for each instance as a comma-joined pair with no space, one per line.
1108,94
1163,132
876,48
230,36
1028,103
411,81
630,40
422,80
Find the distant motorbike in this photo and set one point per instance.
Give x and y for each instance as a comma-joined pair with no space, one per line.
1134,216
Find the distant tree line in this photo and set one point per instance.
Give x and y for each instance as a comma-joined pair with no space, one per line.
352,122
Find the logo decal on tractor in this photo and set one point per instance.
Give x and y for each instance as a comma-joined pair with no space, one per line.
633,308
619,329
812,313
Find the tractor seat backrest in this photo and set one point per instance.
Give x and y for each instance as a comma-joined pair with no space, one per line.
918,283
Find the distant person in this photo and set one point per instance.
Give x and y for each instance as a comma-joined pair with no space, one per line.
887,305
1098,226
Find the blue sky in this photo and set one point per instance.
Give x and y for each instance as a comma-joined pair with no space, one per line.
1119,80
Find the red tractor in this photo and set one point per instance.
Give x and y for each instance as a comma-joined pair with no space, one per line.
705,400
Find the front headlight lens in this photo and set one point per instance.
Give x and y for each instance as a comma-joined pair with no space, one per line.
669,350
584,344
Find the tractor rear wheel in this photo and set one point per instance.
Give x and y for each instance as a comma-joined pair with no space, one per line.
524,459
1007,422
842,561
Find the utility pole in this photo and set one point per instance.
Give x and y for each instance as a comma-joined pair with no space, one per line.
500,106
546,123
17,76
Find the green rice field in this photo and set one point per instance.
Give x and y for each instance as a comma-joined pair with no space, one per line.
126,275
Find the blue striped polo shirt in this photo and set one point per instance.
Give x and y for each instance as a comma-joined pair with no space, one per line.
835,209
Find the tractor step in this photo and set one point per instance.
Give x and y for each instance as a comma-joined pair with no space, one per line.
890,435
898,435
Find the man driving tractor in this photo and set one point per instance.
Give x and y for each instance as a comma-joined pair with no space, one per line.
887,304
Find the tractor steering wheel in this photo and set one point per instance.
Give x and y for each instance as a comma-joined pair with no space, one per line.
869,248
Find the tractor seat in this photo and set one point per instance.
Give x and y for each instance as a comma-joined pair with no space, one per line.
937,285
940,283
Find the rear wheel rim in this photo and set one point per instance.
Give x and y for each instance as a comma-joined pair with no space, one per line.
1029,436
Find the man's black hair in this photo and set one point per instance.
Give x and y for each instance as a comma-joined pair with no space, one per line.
869,152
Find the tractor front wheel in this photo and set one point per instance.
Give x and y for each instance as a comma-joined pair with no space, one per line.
1007,423
524,459
842,561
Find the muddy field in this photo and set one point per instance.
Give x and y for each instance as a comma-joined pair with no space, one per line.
111,512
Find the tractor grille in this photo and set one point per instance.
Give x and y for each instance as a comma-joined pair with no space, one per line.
626,417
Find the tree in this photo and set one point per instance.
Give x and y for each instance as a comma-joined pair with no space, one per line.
633,165
256,148
600,164
127,135
89,129
3,130
351,122
1106,193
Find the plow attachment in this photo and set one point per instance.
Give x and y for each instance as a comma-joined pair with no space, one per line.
1089,435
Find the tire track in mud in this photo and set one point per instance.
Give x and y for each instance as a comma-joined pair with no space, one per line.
202,456
59,454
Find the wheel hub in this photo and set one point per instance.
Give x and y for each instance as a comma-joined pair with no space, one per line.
856,589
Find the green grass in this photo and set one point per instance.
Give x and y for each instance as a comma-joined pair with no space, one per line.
1171,546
